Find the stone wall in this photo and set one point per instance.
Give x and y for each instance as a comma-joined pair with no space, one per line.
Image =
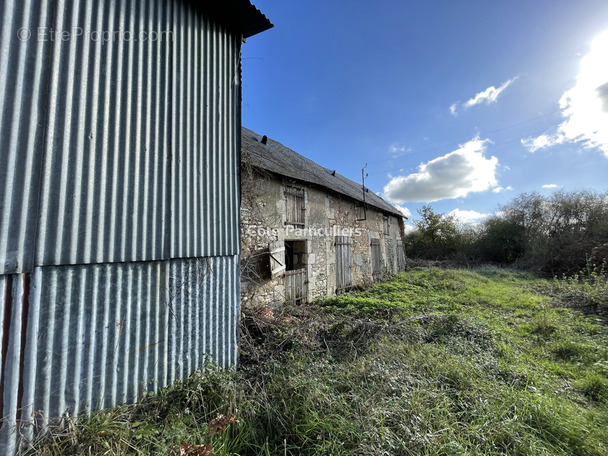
264,228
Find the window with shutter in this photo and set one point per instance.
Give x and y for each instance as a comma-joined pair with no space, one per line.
296,210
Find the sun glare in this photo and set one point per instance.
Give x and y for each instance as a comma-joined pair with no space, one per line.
586,104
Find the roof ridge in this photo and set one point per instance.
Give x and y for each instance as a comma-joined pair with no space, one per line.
282,160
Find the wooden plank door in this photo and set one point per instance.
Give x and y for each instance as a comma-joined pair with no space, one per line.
376,260
344,275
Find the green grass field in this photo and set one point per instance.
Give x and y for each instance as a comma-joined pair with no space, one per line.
432,362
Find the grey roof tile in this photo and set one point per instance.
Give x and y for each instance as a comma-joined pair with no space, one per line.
279,159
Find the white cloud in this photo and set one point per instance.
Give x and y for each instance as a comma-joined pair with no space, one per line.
467,216
453,175
397,151
542,141
585,106
551,186
404,210
502,189
453,109
409,228
490,95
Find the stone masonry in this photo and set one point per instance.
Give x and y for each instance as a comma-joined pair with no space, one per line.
265,228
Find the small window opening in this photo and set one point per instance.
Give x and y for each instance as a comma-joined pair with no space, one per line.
294,255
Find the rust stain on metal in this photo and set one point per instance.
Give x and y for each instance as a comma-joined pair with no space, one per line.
149,346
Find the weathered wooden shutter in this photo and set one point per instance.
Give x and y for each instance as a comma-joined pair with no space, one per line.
277,259
295,206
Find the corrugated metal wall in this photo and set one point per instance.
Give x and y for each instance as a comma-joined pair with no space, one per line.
81,338
119,230
118,150
22,81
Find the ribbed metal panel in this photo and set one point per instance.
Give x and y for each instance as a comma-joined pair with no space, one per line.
12,332
82,338
105,175
23,76
205,118
119,150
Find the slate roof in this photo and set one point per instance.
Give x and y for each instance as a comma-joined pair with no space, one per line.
279,159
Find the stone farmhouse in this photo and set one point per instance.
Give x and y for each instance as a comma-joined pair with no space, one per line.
307,231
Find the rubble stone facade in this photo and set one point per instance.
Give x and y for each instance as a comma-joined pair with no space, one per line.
279,255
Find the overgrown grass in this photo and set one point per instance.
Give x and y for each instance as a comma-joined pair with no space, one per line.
432,362
587,290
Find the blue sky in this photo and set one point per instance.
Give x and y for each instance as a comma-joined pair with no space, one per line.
460,104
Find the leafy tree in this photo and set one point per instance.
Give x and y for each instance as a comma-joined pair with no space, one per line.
501,240
437,236
560,234
556,234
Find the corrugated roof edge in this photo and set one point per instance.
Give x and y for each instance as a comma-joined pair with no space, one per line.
281,160
239,15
